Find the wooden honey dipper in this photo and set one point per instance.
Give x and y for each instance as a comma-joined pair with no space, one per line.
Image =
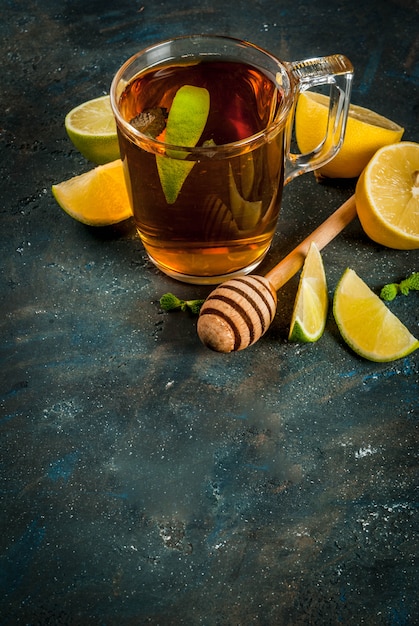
238,312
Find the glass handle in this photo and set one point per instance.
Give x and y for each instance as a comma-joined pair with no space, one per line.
337,71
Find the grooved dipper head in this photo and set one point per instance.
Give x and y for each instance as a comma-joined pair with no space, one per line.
237,313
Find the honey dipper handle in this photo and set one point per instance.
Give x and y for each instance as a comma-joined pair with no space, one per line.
327,231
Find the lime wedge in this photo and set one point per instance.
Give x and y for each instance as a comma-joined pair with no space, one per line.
366,324
185,124
311,303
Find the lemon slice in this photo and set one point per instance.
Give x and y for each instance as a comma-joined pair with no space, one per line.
98,197
92,129
366,132
311,303
387,196
186,121
366,324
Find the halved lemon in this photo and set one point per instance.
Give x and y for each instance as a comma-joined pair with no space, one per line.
366,132
366,324
98,197
387,196
311,303
92,129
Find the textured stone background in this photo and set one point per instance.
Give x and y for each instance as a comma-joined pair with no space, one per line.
144,479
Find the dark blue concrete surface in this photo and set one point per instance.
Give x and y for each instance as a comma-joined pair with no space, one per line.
144,479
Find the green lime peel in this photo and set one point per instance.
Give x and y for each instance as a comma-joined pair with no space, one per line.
186,121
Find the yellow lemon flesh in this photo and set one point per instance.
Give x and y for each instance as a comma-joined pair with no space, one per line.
387,196
366,324
186,121
92,129
98,197
311,303
366,132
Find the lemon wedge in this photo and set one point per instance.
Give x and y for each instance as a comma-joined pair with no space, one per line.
387,196
92,129
311,303
366,324
366,132
98,197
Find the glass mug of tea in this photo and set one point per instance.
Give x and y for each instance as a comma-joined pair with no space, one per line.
204,126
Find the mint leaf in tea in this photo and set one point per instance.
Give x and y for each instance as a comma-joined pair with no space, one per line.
150,122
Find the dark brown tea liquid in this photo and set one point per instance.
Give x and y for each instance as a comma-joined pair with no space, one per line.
222,220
